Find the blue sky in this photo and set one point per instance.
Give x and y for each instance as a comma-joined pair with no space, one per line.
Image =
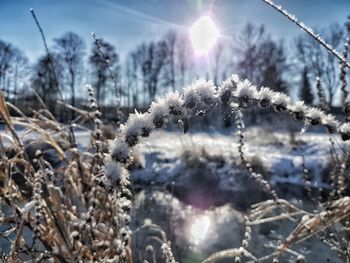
127,23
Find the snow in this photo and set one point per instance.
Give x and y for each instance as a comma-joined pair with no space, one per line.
298,106
114,172
345,128
315,114
205,90
163,150
119,150
264,93
281,99
174,102
159,108
245,89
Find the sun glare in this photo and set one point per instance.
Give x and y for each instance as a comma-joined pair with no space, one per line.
199,229
203,34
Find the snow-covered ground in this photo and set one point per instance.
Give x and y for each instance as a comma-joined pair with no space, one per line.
181,179
176,165
276,152
280,154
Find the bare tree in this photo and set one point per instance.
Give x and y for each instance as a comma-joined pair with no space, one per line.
70,48
218,51
44,80
135,68
128,79
132,79
305,92
184,63
170,65
178,65
105,62
20,67
319,62
273,66
164,63
6,57
157,59
13,65
261,59
246,48
151,59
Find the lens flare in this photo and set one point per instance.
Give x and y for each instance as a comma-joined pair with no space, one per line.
199,229
203,35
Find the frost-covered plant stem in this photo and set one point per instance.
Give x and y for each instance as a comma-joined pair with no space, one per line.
196,99
97,133
167,253
49,57
343,83
306,175
321,96
247,233
113,76
256,176
309,31
342,74
40,30
341,180
246,238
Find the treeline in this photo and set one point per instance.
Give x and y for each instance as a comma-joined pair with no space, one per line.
153,68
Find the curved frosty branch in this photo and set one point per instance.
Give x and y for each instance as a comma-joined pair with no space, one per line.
202,96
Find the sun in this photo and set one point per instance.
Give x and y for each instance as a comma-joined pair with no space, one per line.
199,229
203,34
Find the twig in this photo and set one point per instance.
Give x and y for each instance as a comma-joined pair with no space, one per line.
49,57
343,81
320,93
309,31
